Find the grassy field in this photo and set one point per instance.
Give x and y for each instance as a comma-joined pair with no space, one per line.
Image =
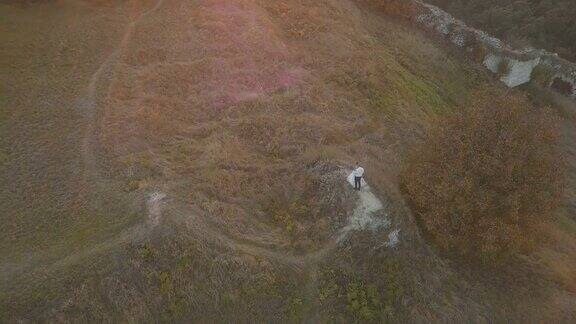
568,225
231,101
238,112
51,208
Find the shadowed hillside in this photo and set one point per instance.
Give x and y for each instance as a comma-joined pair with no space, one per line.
548,24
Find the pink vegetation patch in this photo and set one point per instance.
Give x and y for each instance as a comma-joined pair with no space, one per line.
251,60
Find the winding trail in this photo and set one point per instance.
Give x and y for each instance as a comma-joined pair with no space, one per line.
90,107
196,220
364,217
368,214
88,104
92,177
198,223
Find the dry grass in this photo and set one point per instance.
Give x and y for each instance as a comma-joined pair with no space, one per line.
42,186
557,258
236,109
50,208
234,114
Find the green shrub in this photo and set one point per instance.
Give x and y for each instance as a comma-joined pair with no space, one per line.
393,291
363,301
542,75
287,214
165,283
132,185
296,309
285,219
483,182
3,157
145,252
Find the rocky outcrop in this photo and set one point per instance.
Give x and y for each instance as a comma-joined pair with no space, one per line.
515,67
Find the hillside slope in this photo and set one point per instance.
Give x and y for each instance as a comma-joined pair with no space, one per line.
177,160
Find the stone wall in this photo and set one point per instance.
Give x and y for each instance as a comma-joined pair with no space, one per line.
515,67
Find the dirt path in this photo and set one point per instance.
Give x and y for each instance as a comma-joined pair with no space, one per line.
136,233
89,104
365,216
154,203
368,214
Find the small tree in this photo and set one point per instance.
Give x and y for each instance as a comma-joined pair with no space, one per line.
486,178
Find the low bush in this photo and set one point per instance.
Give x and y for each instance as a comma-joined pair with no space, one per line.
363,299
484,180
478,52
564,87
542,75
504,67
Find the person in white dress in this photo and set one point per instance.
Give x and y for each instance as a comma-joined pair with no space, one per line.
358,174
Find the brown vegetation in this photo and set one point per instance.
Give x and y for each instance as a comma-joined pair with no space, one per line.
485,180
246,96
243,113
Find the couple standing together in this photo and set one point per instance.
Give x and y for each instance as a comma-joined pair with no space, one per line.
358,174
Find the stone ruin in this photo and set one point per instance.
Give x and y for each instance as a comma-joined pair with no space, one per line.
515,67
